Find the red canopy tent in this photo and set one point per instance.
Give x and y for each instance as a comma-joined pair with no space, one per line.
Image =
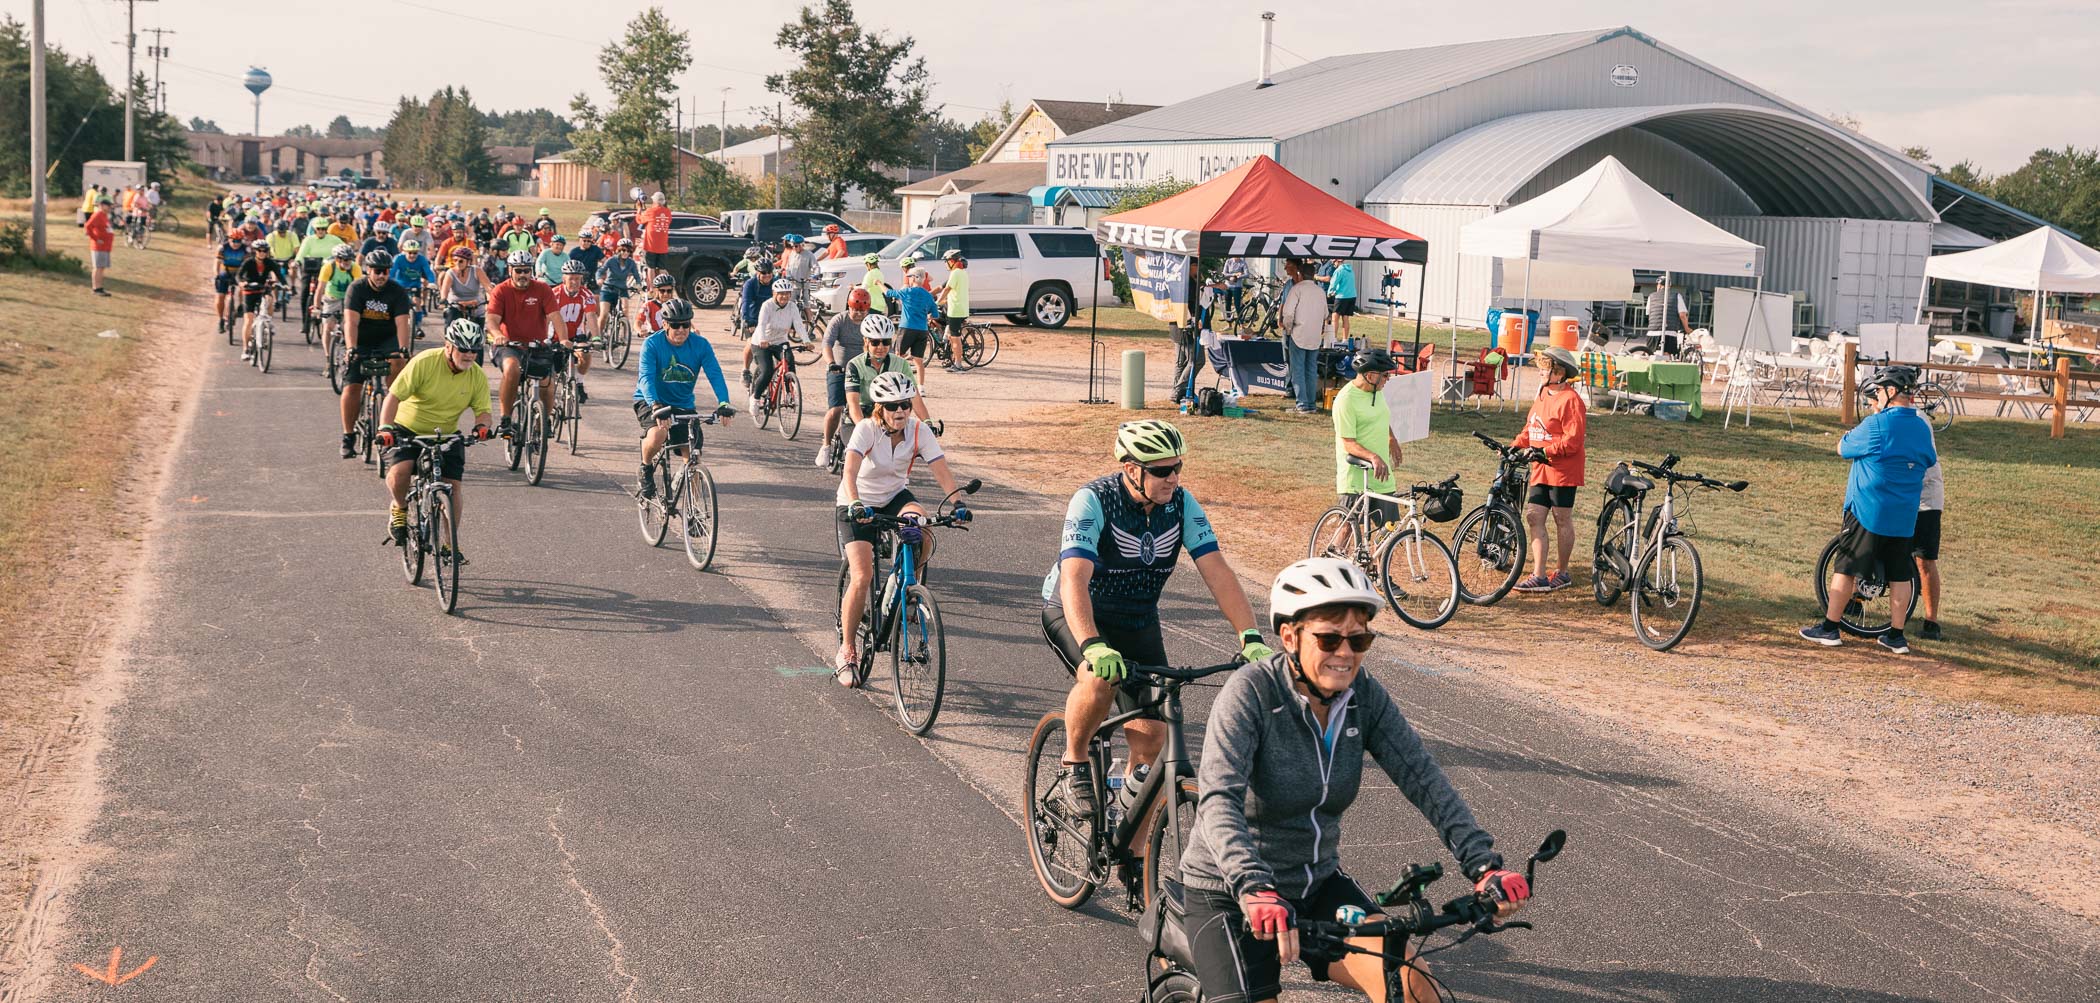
1260,210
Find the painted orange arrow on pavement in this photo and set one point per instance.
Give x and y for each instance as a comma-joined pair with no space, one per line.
111,976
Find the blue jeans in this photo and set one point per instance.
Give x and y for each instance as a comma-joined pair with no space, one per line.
1305,369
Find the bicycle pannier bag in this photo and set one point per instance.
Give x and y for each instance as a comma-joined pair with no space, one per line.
1160,925
1444,506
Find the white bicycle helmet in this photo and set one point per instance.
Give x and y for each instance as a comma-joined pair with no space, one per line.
878,327
1320,581
890,388
783,285
521,259
464,335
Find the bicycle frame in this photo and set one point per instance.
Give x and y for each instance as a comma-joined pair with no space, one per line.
1173,764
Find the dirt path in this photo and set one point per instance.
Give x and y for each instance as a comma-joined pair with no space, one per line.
1847,737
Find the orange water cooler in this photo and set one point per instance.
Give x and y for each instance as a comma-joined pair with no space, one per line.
1567,332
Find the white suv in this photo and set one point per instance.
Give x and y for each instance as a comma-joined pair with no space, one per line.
1034,275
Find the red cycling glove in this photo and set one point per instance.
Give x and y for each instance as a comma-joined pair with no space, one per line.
1504,886
385,438
1268,915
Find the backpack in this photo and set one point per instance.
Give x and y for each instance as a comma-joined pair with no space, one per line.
1210,403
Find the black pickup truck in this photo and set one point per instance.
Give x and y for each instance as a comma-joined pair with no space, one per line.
701,258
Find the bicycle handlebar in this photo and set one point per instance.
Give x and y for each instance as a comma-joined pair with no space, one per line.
1184,674
1427,488
1663,471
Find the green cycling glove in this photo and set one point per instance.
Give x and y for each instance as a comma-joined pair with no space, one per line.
1106,662
1251,647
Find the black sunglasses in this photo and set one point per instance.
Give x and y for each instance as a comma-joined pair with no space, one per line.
679,327
897,406
1358,643
1166,471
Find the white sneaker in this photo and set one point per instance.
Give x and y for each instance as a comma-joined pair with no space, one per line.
824,456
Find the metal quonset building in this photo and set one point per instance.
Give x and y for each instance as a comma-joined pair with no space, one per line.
1430,139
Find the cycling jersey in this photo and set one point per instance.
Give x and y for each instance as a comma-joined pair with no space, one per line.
336,278
256,273
755,292
617,276
1130,573
230,257
319,244
411,273
379,244
433,395
650,310
862,371
886,464
669,372
574,306
283,246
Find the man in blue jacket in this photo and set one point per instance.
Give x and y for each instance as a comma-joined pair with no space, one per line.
672,363
1890,452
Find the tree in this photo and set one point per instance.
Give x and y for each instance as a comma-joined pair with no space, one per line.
440,143
1844,120
85,118
708,137
862,96
634,137
206,125
2061,186
1923,156
303,131
987,130
539,128
340,128
943,144
1966,175
711,188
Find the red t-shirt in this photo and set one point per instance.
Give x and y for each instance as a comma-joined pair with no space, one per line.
386,215
1558,426
524,311
572,306
99,236
656,229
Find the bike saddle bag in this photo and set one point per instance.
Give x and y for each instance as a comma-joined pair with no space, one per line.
1622,483
1161,925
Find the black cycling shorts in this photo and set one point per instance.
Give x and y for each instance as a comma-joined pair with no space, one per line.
538,363
1551,496
1236,968
1345,307
911,344
222,283
645,416
1925,540
1136,638
658,260
451,458
1864,552
866,532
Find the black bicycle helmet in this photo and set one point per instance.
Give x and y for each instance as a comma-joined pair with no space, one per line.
676,312
377,259
1374,360
663,280
1898,379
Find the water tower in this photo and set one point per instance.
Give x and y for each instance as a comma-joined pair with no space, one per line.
257,81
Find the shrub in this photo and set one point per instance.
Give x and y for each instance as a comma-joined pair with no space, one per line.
15,254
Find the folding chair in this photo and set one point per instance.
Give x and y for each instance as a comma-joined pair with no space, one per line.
1479,379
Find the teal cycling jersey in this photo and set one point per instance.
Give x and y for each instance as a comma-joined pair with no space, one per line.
1141,547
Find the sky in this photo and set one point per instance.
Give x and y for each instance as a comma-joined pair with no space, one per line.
1986,82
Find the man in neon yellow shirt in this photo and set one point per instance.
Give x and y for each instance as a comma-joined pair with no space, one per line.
954,298
878,287
1363,431
427,398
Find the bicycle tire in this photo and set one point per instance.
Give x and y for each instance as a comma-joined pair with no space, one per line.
1174,985
1671,560
761,407
335,365
412,549
514,444
1432,578
233,319
863,629
1869,613
1334,534
1489,548
697,498
368,426
1931,400
1048,826
444,537
918,660
1164,843
572,420
538,426
987,346
1611,556
654,514
791,407
265,342
621,341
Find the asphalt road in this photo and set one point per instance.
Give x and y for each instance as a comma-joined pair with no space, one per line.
613,778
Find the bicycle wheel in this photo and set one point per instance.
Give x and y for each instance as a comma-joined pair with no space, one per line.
538,432
987,345
1611,558
1667,588
1932,401
1489,547
918,660
654,514
864,628
1422,586
791,407
1167,836
336,358
368,426
233,320
444,540
697,515
1870,611
265,339
412,550
514,445
1335,535
1060,847
572,419
622,339
761,408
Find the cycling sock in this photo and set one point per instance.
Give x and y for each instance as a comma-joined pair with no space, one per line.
397,515
1829,624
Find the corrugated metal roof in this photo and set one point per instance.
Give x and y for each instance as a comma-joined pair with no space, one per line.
760,147
1987,216
1328,91
1789,165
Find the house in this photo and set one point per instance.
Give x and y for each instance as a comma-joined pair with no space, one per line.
286,158
562,178
1016,160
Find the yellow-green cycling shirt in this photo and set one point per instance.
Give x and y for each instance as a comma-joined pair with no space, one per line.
283,246
433,396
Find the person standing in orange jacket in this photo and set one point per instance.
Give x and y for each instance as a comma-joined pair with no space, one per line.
1558,428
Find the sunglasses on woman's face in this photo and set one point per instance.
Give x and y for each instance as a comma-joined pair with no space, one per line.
896,406
1358,643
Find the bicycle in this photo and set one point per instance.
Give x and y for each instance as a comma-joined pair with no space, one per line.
1929,397
783,395
1171,976
618,335
532,424
431,530
337,350
976,346
214,230
1073,856
1260,299
309,281
135,232
1650,562
905,620
1490,540
265,337
689,493
1427,581
378,371
1870,611
567,418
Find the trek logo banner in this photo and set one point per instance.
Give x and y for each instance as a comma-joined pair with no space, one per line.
1159,285
1236,244
1151,238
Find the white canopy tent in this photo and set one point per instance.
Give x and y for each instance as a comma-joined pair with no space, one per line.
2043,262
1610,222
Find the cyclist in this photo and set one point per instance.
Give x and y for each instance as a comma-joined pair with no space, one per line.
578,307
835,244
314,251
842,343
753,295
861,373
590,255
954,295
672,361
1101,603
382,239
616,277
333,286
878,288
917,315
1362,424
417,230
378,311
780,327
345,227
551,258
648,313
233,252
1890,451
461,289
1559,430
412,270
521,316
427,398
1283,756
740,272
214,217
284,249
880,456
795,261
257,278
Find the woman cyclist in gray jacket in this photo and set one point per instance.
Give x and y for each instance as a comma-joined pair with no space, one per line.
1283,754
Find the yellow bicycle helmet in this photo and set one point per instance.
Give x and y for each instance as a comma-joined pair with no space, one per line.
1149,441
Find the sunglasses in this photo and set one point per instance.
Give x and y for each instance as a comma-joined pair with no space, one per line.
895,406
1168,470
680,327
1358,643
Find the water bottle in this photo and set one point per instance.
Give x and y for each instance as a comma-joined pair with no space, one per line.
1114,807
1350,915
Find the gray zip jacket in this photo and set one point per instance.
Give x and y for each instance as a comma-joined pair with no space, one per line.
1272,796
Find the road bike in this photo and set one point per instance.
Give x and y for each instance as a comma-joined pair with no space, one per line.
336,349
902,617
1422,586
1171,973
783,396
1490,539
687,492
1138,835
1870,611
215,230
432,532
1653,563
309,280
532,423
976,346
378,371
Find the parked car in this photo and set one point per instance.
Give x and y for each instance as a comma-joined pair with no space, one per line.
767,226
701,257
858,244
334,183
1033,275
981,209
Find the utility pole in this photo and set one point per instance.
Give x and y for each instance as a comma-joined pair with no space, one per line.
38,186
131,51
677,162
722,137
157,50
779,151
